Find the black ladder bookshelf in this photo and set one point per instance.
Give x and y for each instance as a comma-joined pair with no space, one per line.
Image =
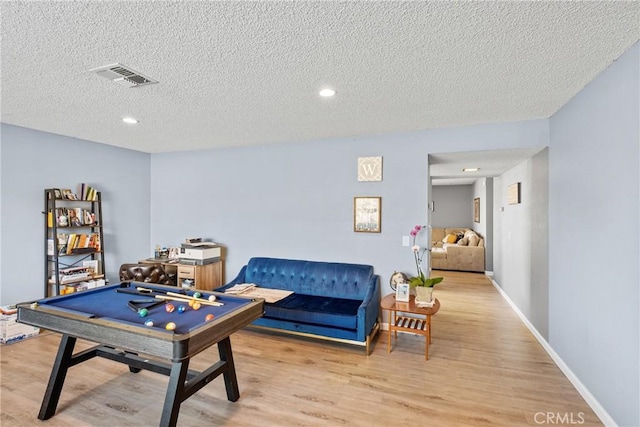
73,242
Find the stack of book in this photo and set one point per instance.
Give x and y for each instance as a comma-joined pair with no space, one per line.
77,243
86,192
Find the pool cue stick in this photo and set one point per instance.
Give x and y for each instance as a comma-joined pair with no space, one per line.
170,298
174,294
182,296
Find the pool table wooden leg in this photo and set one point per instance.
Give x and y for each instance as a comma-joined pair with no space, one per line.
174,396
230,379
58,374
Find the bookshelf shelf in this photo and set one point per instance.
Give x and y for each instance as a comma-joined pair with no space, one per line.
73,242
74,281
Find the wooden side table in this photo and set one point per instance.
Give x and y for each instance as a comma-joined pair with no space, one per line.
405,323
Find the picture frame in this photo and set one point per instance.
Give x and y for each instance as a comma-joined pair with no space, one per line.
370,168
476,209
174,252
68,194
57,193
513,194
402,292
367,214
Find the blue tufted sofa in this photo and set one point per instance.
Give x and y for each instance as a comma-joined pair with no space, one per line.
331,300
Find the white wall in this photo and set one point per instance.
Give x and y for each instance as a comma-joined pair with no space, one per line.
33,161
594,208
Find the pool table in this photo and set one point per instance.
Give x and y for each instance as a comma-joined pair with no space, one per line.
110,316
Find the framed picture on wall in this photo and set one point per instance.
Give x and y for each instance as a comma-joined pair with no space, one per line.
476,209
513,194
366,214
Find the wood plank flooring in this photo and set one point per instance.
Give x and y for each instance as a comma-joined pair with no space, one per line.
485,369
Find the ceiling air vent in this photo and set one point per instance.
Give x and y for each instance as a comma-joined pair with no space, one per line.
123,75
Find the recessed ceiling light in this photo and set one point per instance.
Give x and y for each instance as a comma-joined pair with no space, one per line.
327,92
470,169
130,120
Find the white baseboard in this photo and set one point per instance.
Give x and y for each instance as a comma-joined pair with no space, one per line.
582,389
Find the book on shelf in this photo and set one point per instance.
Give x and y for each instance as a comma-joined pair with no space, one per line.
86,192
73,274
83,241
78,243
62,243
70,242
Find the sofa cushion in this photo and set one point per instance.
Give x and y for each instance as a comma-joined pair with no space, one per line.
463,242
337,312
473,240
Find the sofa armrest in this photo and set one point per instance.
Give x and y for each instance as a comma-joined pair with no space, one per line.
369,310
239,279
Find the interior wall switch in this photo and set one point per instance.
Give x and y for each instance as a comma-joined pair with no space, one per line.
405,241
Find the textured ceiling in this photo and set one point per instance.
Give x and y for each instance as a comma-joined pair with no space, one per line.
242,73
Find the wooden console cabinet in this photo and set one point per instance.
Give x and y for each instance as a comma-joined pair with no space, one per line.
206,277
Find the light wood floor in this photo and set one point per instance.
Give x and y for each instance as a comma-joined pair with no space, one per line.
485,369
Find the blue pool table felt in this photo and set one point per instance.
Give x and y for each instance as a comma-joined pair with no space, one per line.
108,304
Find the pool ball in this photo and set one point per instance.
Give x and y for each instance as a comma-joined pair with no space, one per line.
191,301
169,307
208,317
182,308
197,294
212,298
143,312
170,326
148,322
196,305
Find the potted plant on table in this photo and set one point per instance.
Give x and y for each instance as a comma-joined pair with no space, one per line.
423,285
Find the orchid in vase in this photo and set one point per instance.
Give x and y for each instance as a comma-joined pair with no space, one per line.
418,254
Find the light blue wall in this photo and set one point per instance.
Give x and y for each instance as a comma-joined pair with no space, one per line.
483,188
521,239
594,229
33,161
296,200
453,206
